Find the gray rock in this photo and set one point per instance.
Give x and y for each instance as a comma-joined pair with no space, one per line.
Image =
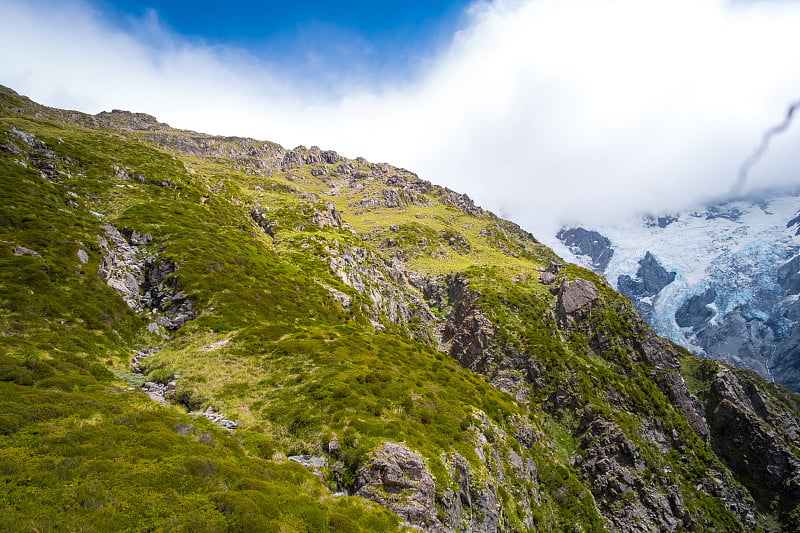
547,278
468,334
83,257
144,281
575,295
396,478
755,436
330,217
21,250
386,284
26,138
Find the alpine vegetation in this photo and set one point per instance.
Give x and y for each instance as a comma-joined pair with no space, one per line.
204,333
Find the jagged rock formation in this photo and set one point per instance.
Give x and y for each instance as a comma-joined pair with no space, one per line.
589,243
397,478
385,285
573,298
650,279
145,282
610,461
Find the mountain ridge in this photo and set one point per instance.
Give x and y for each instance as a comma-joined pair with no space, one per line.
408,347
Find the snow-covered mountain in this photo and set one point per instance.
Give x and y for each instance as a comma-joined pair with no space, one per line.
723,281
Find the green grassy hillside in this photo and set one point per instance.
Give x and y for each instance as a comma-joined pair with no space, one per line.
385,329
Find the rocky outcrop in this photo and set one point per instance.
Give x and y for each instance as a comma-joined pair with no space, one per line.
249,155
615,467
468,334
753,433
145,281
391,198
329,217
633,489
396,478
385,284
461,201
36,154
574,299
468,337
301,155
130,121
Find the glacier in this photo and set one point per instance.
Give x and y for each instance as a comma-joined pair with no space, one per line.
734,293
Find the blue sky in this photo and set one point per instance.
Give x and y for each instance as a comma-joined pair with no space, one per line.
257,22
545,111
367,38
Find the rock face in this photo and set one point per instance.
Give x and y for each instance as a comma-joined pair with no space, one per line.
391,198
615,466
573,297
650,279
468,333
145,282
330,217
589,243
396,478
753,433
468,336
620,471
390,296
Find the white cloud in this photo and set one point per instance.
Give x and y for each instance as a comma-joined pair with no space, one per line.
545,110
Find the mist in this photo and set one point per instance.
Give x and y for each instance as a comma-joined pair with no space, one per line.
545,111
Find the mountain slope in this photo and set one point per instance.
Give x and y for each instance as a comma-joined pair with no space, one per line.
406,346
721,281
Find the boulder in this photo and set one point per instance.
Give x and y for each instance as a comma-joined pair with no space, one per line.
575,295
395,477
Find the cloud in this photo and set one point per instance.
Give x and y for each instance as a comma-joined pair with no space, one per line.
546,111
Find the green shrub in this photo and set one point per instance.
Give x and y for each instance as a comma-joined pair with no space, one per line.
160,375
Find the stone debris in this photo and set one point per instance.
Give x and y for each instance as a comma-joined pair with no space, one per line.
217,418
314,463
338,295
216,345
21,250
161,393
